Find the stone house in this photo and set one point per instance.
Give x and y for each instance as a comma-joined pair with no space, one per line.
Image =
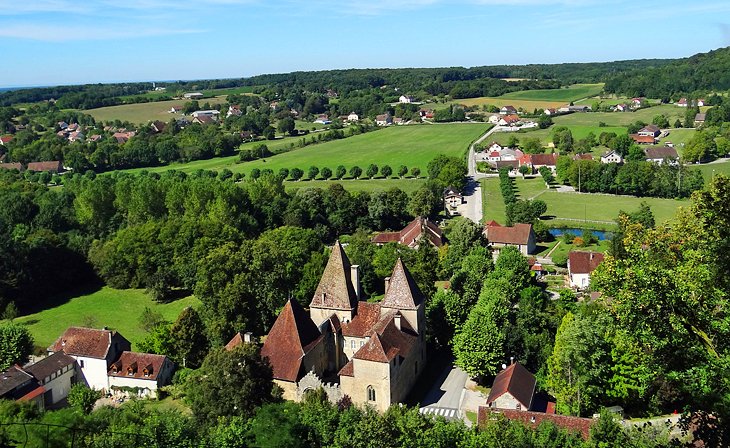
144,372
372,352
513,388
56,374
520,236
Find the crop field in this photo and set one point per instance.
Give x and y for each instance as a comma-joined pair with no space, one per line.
412,146
141,113
580,209
98,309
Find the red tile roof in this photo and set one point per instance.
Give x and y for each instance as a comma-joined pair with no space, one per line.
511,118
579,425
368,314
348,370
544,159
5,139
415,230
403,292
88,342
581,262
335,289
11,166
386,344
583,157
517,381
144,366
643,139
517,234
292,336
235,341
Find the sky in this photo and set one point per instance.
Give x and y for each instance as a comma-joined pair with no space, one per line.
56,42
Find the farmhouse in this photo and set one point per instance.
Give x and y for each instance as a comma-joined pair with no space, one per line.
373,351
193,96
580,266
143,371
537,161
404,99
681,103
520,236
412,234
513,388
611,157
18,385
494,146
575,108
158,126
52,167
507,110
661,154
55,373
621,108
353,117
637,102
323,119
204,119
550,111
123,137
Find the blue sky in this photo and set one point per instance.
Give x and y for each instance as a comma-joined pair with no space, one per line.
50,42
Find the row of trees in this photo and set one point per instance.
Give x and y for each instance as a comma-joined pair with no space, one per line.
355,172
645,179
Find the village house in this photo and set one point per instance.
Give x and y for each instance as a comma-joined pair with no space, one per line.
611,157
205,119
19,385
103,361
509,120
661,154
372,352
637,102
650,130
406,99
175,109
426,114
494,146
452,199
493,118
384,120
537,161
123,136
412,234
550,111
11,166
513,388
353,117
144,372
323,119
580,266
700,120
158,126
507,110
681,103
193,96
520,236
621,108
586,156
234,110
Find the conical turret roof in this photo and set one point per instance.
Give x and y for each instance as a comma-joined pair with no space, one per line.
335,289
403,292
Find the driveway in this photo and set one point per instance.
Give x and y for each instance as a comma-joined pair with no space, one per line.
446,395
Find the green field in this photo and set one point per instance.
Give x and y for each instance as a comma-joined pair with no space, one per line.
142,113
565,95
678,137
620,118
412,146
174,90
113,308
577,209
713,169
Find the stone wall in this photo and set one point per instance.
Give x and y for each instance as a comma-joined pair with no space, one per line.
311,381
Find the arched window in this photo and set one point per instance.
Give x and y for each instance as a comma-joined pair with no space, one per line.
371,393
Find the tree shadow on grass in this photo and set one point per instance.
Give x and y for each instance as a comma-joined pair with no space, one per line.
61,298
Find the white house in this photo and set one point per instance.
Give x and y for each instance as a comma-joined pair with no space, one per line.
404,99
384,119
144,372
494,146
94,351
234,109
611,157
55,373
353,117
580,266
507,110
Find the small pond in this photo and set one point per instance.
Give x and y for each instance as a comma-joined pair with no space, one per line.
600,234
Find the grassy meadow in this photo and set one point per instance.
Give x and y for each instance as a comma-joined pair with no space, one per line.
142,113
602,209
531,99
412,146
118,309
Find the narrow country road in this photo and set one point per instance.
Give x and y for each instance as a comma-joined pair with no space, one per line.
472,206
445,396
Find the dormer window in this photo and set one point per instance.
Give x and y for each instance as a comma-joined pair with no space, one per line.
147,371
132,369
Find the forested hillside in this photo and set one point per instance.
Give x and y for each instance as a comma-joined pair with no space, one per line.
699,74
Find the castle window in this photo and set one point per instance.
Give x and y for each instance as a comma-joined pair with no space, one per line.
352,344
371,393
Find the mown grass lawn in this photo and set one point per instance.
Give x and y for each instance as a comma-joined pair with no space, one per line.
114,308
582,207
142,113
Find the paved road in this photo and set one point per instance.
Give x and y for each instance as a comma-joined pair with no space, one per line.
472,206
445,396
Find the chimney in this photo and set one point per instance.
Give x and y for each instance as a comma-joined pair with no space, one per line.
355,279
397,319
387,283
248,337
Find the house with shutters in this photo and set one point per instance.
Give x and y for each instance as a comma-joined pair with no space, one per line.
372,352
